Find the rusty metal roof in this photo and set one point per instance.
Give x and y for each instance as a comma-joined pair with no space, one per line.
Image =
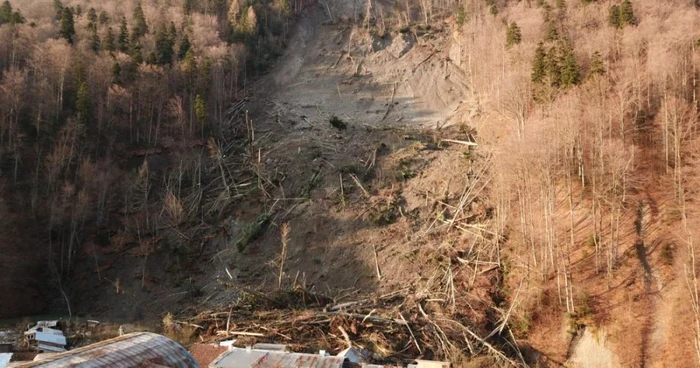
253,358
132,350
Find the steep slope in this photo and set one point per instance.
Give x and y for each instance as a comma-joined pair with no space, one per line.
559,228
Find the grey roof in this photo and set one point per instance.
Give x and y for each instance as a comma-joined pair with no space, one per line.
132,350
250,358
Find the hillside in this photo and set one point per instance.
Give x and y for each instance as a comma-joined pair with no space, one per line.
523,171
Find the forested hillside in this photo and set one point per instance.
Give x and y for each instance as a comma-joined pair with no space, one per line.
89,89
521,175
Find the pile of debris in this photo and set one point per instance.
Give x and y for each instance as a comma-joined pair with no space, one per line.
393,328
46,337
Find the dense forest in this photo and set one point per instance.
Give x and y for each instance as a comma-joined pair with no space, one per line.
87,88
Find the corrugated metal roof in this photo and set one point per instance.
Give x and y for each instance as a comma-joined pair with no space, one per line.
5,359
252,358
132,350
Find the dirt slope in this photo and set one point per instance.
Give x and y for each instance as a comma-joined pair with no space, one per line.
386,90
366,205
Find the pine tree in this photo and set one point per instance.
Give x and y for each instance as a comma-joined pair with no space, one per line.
552,33
92,15
614,16
460,16
116,74
513,35
187,7
17,18
152,59
82,104
200,108
539,70
140,27
123,40
67,29
553,64
79,72
78,11
104,17
493,10
135,53
109,41
7,16
570,71
561,4
164,47
94,37
172,32
627,14
58,8
189,64
184,47
5,13
597,65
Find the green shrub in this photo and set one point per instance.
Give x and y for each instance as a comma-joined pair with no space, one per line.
253,230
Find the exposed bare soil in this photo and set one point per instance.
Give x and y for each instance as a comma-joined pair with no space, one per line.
363,203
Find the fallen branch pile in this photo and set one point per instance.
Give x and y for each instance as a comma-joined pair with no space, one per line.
393,327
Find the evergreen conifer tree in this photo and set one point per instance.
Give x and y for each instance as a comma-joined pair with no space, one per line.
164,47
627,14
92,15
123,39
104,17
67,28
82,104
189,64
17,18
460,16
597,65
78,11
109,41
614,16
135,53
152,59
5,13
570,71
116,74
140,27
200,109
513,35
172,32
79,72
94,37
187,7
552,33
58,8
539,70
553,64
184,47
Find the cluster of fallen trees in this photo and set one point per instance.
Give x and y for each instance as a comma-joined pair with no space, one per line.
394,327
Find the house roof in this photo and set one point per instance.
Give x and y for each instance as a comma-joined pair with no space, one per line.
5,359
132,350
255,358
